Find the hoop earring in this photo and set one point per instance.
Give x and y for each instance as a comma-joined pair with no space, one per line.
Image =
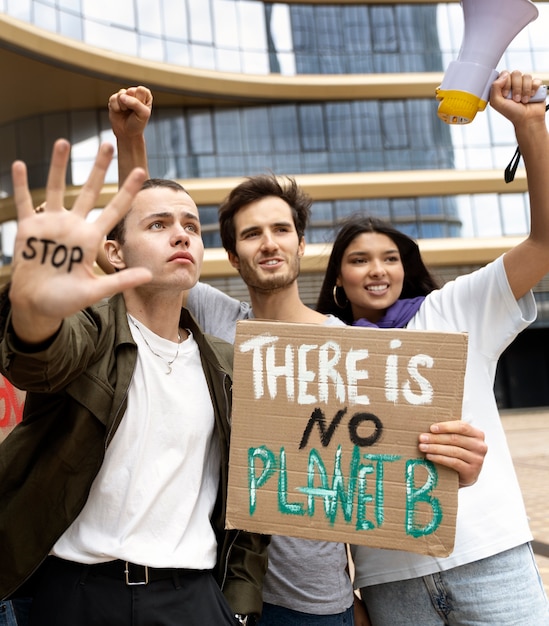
334,294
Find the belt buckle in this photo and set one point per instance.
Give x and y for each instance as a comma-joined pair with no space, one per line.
131,583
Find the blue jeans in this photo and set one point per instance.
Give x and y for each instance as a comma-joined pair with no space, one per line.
504,590
273,615
15,612
7,614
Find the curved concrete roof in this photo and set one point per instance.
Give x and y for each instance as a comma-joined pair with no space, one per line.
44,72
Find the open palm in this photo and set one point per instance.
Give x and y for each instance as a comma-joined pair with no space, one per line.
55,250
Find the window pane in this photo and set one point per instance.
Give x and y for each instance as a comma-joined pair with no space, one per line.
120,12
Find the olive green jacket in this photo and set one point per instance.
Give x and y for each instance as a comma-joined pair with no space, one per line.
77,388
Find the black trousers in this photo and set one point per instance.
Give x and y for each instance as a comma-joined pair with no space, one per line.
72,594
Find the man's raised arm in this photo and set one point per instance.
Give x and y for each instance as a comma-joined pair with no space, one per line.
129,113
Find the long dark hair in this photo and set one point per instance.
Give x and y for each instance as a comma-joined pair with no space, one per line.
418,281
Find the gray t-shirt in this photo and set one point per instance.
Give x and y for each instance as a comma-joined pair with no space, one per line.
216,312
303,574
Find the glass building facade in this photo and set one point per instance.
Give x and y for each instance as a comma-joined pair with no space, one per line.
238,136
247,36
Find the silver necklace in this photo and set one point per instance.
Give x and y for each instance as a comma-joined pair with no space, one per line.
168,363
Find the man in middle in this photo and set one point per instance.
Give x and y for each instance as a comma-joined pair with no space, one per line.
262,224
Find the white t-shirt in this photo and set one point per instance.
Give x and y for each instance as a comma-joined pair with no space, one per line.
152,499
491,515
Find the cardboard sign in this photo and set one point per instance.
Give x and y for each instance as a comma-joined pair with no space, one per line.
325,427
11,407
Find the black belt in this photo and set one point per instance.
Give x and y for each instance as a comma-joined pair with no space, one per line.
131,573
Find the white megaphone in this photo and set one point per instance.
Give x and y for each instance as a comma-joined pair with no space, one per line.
489,27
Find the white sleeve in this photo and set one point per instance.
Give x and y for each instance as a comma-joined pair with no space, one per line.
480,304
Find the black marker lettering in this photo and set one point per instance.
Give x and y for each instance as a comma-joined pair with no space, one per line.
46,243
55,260
32,253
326,434
77,255
355,422
59,255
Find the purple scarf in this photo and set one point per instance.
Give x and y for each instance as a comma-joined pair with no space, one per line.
397,315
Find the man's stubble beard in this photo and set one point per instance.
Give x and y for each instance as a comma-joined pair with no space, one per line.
270,284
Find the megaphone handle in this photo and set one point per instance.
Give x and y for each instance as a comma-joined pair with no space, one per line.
539,96
511,169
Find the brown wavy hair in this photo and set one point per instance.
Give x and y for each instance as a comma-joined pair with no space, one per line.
255,188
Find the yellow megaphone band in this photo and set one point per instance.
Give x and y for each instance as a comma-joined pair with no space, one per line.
458,107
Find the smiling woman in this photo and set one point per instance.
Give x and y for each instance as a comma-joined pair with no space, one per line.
379,265
371,275
381,274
